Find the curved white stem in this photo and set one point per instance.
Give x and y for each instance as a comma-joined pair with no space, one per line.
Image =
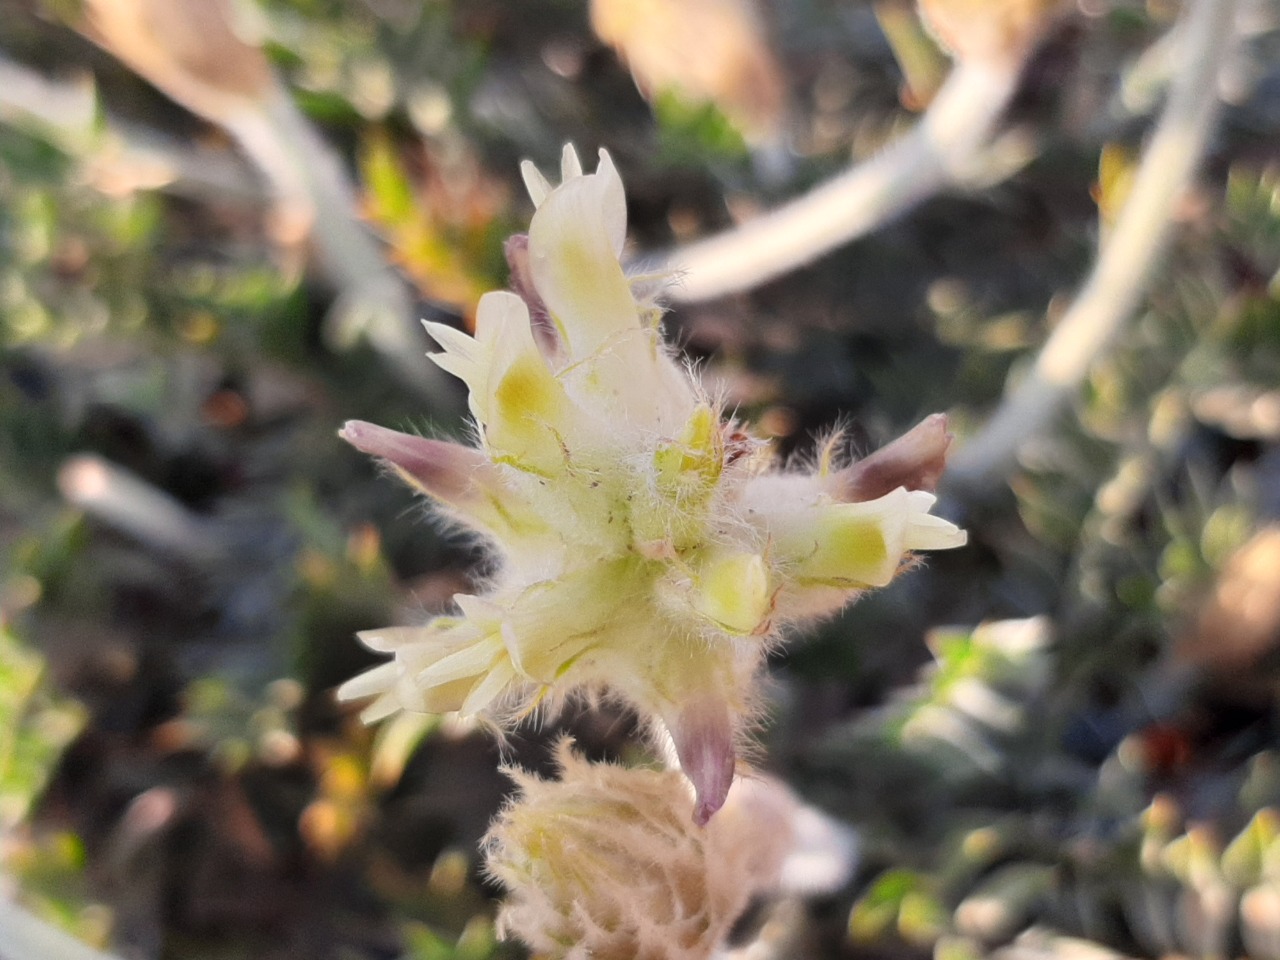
24,936
59,104
314,196
1125,260
131,505
939,151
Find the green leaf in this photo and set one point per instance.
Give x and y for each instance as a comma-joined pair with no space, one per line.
35,725
877,911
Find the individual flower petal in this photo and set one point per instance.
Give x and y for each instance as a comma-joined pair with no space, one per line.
575,239
688,467
459,476
435,669
387,704
859,545
613,358
927,532
915,460
703,735
516,250
534,182
685,473
372,682
389,639
570,165
491,686
517,401
732,590
473,660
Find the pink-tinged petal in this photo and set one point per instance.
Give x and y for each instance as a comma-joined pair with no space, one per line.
457,475
549,338
915,461
703,737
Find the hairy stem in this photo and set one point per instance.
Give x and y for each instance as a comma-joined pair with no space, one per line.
1125,261
941,148
24,936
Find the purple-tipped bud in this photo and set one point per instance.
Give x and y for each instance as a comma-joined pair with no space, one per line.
545,333
447,471
703,737
915,461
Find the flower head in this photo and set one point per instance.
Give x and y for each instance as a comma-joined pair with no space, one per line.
645,546
604,863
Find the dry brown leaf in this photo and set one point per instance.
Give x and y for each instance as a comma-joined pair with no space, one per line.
995,30
1239,623
704,50
187,48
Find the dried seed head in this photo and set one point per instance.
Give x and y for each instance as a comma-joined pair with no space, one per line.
603,863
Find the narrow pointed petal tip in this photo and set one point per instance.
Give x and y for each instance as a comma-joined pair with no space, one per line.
444,470
575,239
915,461
703,738
534,182
570,165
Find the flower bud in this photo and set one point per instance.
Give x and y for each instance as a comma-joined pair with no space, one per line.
604,863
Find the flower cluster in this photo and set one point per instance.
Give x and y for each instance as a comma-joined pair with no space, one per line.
645,546
604,863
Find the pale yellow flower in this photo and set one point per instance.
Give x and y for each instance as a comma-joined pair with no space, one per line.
645,547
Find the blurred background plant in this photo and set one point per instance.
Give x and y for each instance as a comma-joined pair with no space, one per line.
219,224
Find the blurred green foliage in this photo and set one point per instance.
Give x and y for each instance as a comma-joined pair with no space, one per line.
174,776
35,724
